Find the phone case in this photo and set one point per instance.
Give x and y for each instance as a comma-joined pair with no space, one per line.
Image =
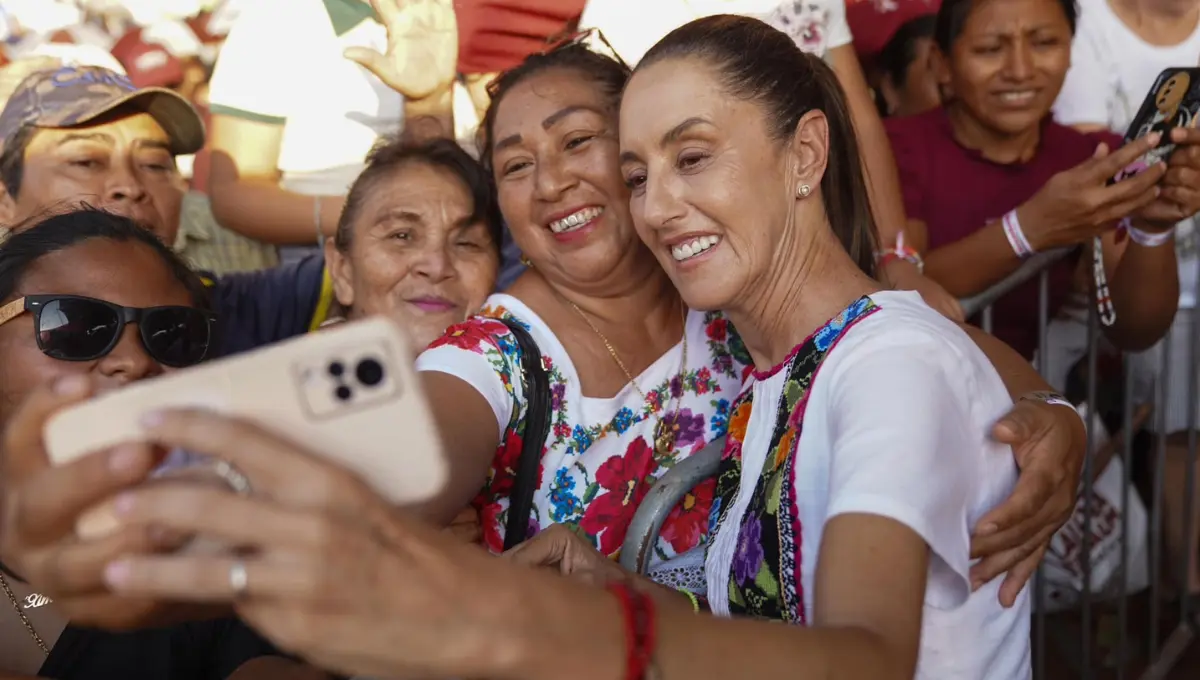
1173,102
349,394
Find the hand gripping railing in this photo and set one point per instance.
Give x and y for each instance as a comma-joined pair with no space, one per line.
663,496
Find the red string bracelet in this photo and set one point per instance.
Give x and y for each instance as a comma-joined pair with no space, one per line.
637,609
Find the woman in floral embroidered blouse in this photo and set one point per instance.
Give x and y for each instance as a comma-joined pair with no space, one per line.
609,325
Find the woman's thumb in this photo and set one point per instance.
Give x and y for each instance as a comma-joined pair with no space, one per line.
1100,152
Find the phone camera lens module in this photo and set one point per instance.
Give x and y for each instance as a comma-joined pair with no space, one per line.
336,369
369,372
343,393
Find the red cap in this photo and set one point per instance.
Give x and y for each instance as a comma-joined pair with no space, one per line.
148,64
874,22
495,35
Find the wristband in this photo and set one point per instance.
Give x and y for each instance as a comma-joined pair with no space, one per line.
1146,239
691,596
900,252
1015,235
637,609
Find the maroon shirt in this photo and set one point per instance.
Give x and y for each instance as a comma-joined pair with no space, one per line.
955,191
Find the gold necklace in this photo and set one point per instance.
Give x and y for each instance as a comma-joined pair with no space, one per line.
32,602
664,434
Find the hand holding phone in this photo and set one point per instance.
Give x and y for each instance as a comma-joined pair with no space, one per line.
1078,204
349,394
1173,101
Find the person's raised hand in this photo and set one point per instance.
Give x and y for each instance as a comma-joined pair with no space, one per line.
1049,444
1078,204
422,47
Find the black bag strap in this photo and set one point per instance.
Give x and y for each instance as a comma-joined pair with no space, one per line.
537,429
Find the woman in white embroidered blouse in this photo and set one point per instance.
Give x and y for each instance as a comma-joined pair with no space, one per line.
632,393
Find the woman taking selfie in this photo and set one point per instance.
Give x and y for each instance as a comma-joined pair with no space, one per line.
846,498
63,287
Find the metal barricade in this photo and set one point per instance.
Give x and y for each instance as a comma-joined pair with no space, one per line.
1095,614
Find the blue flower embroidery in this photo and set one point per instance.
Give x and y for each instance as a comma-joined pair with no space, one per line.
564,504
582,439
719,422
622,420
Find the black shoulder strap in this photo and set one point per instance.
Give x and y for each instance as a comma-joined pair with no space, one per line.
537,429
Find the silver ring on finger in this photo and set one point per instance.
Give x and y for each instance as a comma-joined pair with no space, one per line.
239,581
237,481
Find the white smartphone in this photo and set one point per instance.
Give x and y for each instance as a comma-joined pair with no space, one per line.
349,394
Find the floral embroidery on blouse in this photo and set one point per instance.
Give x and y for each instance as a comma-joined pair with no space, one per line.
598,496
765,576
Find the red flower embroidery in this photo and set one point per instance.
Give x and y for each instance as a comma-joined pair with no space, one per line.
625,480
718,329
504,465
489,521
474,335
688,521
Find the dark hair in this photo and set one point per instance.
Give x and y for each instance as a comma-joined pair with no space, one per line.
610,74
12,159
900,52
953,15
29,244
760,64
390,154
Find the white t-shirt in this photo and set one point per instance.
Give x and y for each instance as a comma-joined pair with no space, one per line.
1112,69
599,459
633,26
282,63
896,425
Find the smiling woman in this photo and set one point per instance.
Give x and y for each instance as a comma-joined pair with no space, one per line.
419,238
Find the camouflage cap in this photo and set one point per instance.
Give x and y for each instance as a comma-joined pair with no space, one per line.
76,95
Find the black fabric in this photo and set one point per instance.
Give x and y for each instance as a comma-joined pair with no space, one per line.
537,429
256,309
208,650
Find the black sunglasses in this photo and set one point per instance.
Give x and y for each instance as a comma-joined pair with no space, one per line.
77,328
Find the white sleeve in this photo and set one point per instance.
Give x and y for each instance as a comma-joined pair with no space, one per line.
903,447
255,76
1087,90
483,354
837,31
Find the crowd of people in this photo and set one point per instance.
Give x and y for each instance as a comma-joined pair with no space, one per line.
676,215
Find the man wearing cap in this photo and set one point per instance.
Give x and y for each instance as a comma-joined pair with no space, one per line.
88,135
